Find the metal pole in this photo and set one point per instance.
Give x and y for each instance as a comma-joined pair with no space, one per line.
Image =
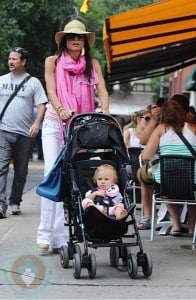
161,87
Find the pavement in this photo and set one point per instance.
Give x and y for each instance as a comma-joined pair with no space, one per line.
24,274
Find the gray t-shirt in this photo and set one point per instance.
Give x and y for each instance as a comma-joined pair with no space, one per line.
18,117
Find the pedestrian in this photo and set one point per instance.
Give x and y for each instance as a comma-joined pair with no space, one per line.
71,77
17,128
106,180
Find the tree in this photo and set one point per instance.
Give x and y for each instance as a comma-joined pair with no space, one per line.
32,24
99,11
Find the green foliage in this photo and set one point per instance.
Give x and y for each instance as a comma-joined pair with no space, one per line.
9,35
156,83
32,24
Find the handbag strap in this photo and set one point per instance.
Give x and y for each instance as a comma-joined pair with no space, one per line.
187,143
13,95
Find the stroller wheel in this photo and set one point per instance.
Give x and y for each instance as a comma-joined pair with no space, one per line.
78,250
92,266
64,257
126,252
147,266
132,266
114,256
76,266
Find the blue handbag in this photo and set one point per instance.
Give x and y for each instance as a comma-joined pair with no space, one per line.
53,185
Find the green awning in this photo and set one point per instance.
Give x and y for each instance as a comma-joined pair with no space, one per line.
191,81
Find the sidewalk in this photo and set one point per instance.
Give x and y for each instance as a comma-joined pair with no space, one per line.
26,275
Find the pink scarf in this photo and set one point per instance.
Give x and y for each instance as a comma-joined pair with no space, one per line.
75,92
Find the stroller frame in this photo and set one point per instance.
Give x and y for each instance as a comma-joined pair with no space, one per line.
94,139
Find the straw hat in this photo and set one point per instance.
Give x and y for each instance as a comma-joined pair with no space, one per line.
144,176
75,26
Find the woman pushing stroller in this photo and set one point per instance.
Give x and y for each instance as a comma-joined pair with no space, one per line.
106,197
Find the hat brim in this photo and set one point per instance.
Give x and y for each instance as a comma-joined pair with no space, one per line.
90,36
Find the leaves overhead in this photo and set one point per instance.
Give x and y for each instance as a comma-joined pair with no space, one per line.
33,24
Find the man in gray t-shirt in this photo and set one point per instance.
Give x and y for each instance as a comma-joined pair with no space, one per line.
17,127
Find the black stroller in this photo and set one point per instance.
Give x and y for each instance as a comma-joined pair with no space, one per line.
94,139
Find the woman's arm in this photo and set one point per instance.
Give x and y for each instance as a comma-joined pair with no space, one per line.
146,133
126,137
153,144
101,88
50,64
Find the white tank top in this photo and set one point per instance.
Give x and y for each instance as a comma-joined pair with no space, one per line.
134,140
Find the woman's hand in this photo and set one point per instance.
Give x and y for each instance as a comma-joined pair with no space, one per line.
155,113
63,113
105,111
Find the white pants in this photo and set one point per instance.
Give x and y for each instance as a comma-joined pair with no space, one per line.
52,230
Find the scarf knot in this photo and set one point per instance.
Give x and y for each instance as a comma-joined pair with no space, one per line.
75,67
76,93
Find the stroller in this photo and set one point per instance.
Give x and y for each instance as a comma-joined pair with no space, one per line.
94,139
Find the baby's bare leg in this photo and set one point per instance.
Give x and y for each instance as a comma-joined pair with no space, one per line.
120,212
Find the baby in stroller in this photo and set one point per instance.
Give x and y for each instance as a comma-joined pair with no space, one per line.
106,197
102,216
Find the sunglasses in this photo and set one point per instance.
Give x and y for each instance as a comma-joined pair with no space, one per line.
147,119
73,36
23,52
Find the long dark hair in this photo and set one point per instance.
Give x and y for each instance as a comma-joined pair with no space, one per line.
63,47
172,114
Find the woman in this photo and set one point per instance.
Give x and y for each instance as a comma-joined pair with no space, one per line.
173,119
71,76
132,135
132,139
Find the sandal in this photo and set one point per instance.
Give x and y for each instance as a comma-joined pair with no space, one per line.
145,224
176,233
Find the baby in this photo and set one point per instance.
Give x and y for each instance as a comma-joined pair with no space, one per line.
106,180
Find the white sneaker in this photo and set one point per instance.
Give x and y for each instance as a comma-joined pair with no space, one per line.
43,248
15,209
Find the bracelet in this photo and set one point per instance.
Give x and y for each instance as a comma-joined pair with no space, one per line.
59,109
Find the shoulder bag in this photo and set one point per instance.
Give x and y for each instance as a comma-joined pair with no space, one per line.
52,185
187,144
14,94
